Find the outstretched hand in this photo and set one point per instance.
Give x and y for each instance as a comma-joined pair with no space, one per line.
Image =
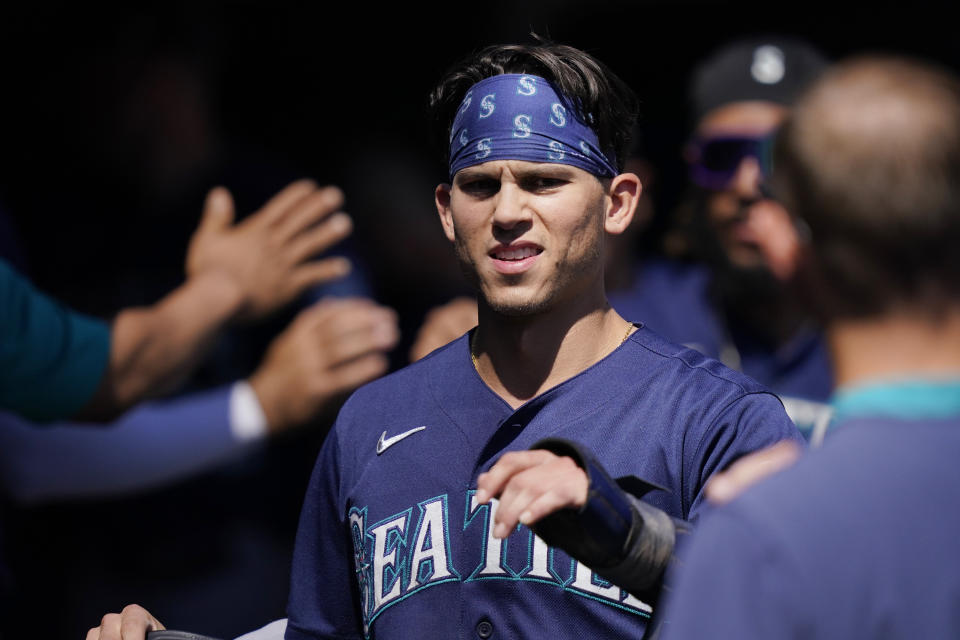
132,623
531,485
724,486
269,255
331,347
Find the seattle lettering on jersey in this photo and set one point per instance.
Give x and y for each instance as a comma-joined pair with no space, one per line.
406,552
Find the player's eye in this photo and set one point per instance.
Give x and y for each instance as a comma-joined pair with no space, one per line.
542,183
480,187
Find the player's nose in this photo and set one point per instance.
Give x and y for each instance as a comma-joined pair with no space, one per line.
511,207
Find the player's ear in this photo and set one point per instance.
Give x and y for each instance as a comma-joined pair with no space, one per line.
441,197
623,194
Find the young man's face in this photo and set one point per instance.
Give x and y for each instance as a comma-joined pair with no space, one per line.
529,234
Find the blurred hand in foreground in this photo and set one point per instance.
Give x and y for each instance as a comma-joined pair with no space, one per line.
270,254
132,623
726,485
444,324
331,347
531,485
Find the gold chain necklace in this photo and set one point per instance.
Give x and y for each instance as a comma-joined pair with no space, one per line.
473,338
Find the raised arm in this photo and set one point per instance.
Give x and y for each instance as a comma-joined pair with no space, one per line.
234,272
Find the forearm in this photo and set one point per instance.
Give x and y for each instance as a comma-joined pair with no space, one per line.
648,550
154,348
151,445
623,539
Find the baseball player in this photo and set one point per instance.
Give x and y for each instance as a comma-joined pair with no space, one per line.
859,539
723,289
396,539
732,300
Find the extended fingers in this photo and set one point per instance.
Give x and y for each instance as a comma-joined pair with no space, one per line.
332,308
217,210
750,469
537,491
283,202
377,337
356,372
317,239
492,483
318,272
351,335
308,211
341,315
345,329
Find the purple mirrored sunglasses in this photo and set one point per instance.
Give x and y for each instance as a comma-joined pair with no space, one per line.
714,161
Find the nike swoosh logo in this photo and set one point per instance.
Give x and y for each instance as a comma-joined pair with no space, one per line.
385,443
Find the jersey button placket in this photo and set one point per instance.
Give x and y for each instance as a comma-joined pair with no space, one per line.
484,629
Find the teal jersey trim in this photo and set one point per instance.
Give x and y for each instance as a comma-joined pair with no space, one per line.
909,399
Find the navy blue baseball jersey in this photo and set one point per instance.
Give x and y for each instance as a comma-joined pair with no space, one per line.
393,544
674,299
857,540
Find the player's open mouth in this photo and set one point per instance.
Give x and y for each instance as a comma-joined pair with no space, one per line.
515,258
515,253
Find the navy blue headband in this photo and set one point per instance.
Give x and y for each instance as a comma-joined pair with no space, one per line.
522,117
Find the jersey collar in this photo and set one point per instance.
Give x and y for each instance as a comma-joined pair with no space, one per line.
915,398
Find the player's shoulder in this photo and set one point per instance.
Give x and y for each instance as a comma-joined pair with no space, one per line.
690,364
707,398
923,452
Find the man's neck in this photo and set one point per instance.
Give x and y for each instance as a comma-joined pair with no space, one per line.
521,357
896,346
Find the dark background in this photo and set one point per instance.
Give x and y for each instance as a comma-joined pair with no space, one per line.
115,122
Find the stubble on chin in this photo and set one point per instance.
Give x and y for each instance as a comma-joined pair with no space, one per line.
505,305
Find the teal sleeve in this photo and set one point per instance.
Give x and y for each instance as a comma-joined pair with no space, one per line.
51,358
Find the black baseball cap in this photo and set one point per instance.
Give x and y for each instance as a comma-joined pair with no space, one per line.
773,69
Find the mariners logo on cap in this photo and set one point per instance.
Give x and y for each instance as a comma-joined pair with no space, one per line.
527,85
487,105
768,64
521,126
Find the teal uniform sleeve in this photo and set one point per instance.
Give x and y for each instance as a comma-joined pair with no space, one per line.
51,358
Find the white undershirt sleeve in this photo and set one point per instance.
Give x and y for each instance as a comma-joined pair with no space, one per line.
247,421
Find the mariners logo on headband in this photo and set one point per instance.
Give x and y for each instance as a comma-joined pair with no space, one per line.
522,117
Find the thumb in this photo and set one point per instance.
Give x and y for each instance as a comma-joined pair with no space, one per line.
217,210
